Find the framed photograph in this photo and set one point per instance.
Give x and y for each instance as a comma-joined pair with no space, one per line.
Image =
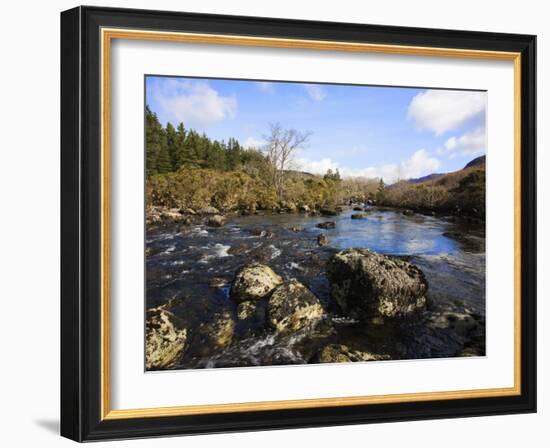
274,223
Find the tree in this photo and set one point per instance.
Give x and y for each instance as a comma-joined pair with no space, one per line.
280,149
171,144
155,145
381,191
333,176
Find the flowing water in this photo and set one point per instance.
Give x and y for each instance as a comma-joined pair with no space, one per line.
195,265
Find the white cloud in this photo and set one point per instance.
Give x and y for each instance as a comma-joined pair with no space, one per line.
252,142
444,110
265,86
315,92
472,143
418,165
193,102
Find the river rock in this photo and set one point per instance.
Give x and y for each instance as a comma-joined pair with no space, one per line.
187,211
366,284
357,216
304,208
322,239
296,229
292,307
209,210
408,212
341,353
357,209
329,212
171,215
216,221
246,310
165,340
218,333
327,225
253,282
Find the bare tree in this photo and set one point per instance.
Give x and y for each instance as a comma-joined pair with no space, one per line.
281,145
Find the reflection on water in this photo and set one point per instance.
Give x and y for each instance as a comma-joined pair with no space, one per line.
196,265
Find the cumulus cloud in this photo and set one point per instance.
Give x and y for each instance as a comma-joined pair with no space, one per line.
419,164
315,92
253,142
193,102
471,143
444,110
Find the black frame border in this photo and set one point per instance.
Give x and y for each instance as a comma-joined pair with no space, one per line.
81,223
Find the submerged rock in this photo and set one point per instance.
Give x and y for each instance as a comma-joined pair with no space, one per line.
292,307
357,216
218,333
253,282
366,284
216,221
165,341
408,212
327,225
322,239
341,353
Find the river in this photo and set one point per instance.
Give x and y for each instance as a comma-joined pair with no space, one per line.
196,264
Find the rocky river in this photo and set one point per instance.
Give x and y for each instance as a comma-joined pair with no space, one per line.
199,318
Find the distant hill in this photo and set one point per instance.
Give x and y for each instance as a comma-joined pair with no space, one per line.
450,180
477,161
419,180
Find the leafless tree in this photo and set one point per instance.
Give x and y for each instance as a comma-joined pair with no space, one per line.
281,146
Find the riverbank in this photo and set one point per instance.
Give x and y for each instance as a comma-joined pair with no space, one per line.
191,268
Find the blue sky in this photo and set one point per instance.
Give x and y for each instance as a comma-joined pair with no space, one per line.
365,131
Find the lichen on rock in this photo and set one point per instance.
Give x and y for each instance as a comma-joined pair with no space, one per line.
293,307
165,341
366,284
334,353
254,282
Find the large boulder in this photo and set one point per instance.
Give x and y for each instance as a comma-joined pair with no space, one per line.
165,339
341,353
254,282
366,284
292,307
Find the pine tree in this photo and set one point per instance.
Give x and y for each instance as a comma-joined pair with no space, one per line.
171,144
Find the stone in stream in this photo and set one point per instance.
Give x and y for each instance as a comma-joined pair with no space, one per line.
216,221
366,284
329,211
293,307
254,282
165,339
334,353
327,225
357,216
358,209
304,208
408,212
322,239
218,333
